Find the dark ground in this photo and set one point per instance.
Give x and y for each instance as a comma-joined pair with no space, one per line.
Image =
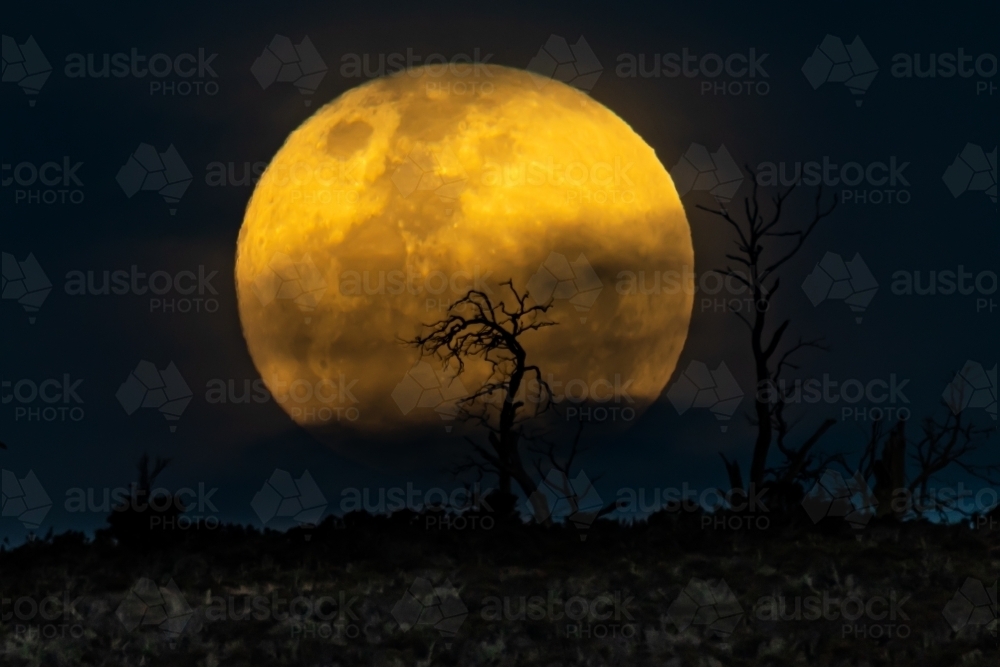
365,566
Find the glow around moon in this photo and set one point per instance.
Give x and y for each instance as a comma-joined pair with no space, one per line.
395,199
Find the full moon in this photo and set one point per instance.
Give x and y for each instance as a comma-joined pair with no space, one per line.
397,198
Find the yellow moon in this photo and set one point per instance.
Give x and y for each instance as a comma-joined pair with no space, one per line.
395,199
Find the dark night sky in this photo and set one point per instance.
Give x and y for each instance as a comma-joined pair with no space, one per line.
925,122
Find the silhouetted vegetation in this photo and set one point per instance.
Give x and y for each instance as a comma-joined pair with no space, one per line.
374,559
146,519
476,327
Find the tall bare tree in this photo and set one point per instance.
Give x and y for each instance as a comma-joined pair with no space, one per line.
940,445
765,242
142,520
476,327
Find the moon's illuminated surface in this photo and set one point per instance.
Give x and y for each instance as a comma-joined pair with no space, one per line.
394,199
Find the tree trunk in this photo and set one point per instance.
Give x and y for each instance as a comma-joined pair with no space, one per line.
763,412
890,471
505,482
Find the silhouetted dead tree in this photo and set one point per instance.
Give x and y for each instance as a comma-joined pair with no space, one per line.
476,327
942,444
142,519
547,459
149,472
764,244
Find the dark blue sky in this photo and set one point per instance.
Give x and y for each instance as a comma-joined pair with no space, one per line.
923,123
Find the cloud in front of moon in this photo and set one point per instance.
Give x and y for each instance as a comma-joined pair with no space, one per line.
395,199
